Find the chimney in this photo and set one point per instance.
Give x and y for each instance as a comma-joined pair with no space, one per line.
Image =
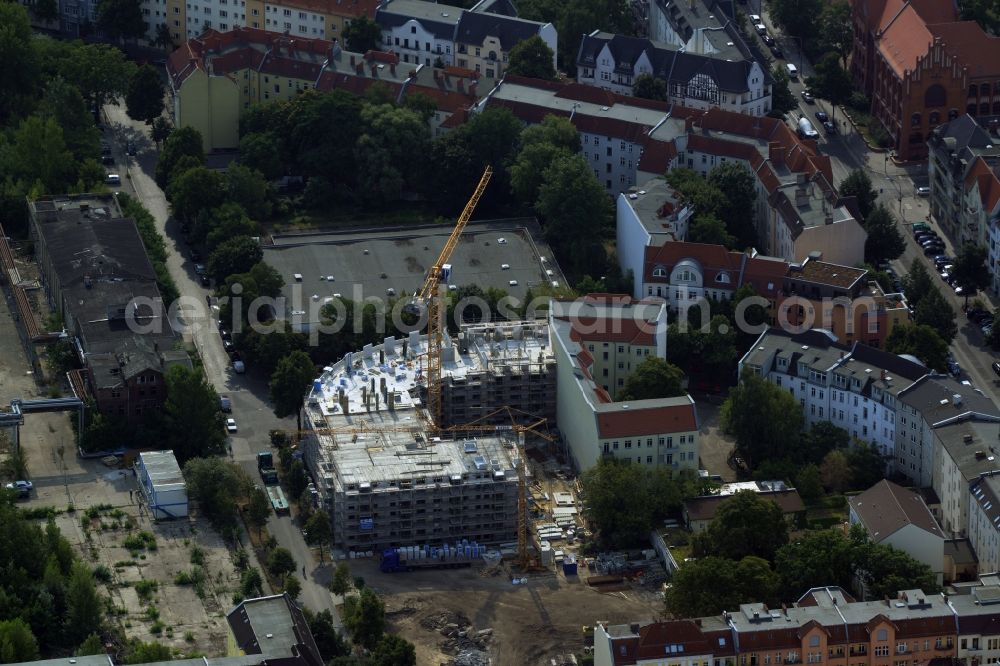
374,70
882,375
392,68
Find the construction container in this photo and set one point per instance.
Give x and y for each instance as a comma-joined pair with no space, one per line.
569,565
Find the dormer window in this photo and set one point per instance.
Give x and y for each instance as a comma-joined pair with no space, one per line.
659,271
722,277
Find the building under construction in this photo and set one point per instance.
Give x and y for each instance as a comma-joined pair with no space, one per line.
384,479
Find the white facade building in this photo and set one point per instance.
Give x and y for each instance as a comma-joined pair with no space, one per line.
648,216
162,484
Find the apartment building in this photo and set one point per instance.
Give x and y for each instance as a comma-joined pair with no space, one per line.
730,79
696,26
99,280
825,626
965,439
598,341
984,520
685,273
477,39
964,171
841,299
629,140
647,216
855,387
922,66
899,517
213,78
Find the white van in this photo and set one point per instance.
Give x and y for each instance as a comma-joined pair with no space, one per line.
793,72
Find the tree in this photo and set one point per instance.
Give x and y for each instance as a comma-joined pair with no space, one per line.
917,283
341,581
650,87
121,19
319,530
653,378
867,465
388,151
259,150
258,509
15,465
194,422
532,57
884,240
90,646
289,384
362,35
292,585
932,310
859,185
251,583
62,100
920,341
835,471
814,559
17,643
100,71
626,501
782,99
737,207
83,604
195,190
711,585
248,188
885,570
831,82
576,211
836,34
707,228
744,524
798,17
280,562
540,145
809,484
160,130
39,153
224,223
144,99
18,51
393,650
364,617
163,38
236,255
140,652
216,485
823,437
182,142
762,417
328,639
970,271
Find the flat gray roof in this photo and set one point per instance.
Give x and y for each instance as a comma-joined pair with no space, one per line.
368,263
162,469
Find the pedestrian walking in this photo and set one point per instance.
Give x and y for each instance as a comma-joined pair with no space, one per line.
303,571
130,497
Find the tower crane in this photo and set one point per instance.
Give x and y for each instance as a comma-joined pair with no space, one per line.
429,296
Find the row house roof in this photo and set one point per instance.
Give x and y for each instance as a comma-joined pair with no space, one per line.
729,68
460,25
764,274
886,508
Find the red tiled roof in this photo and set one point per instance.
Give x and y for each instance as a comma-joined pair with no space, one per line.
637,422
973,47
628,330
456,119
715,259
387,57
904,39
657,155
684,634
989,184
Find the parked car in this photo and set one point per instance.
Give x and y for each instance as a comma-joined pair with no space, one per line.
777,52
205,280
808,97
760,28
920,226
199,269
942,259
130,148
919,235
972,313
768,39
923,191
231,425
931,250
830,127
996,367
225,404
22,488
113,179
821,116
755,19
107,160
932,242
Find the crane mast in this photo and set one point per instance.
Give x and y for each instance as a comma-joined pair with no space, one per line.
431,297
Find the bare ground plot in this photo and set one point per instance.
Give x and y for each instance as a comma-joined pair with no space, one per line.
144,563
529,624
714,446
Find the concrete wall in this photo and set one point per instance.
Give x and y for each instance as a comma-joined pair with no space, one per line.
632,239
573,414
922,546
211,105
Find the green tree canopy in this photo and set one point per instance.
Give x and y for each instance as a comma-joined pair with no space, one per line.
934,311
744,524
182,142
83,604
62,100
970,270
650,87
258,509
859,185
140,652
237,255
194,422
362,35
17,643
389,150
884,240
835,29
289,384
248,188
710,585
364,617
225,222
90,646
653,378
709,229
39,153
532,57
831,81
782,99
216,485
121,19
393,650
917,283
816,558
144,99
762,417
327,638
319,530
920,341
259,150
196,190
625,501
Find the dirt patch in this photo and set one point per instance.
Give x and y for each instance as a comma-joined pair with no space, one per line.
462,617
413,265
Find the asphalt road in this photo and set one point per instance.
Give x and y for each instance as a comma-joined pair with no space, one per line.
897,190
248,392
